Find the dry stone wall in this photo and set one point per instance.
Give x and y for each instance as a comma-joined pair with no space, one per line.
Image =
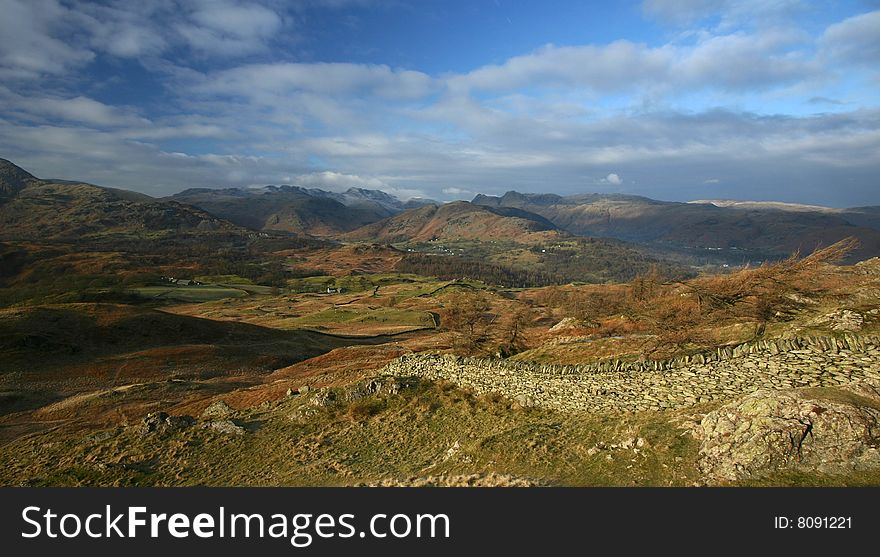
615,385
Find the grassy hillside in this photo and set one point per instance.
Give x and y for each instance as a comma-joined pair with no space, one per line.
47,352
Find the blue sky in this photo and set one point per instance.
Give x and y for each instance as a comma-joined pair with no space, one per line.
673,99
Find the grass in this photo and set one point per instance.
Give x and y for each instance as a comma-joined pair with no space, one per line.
223,279
189,293
353,283
365,316
427,429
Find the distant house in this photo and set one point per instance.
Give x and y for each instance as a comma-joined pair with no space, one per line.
184,282
334,290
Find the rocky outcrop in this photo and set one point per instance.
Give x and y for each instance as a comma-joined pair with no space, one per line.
834,431
224,426
218,409
161,422
723,374
841,320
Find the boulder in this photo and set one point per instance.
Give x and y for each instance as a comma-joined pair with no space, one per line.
161,422
224,426
218,409
826,430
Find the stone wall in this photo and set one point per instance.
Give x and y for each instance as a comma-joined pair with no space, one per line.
615,385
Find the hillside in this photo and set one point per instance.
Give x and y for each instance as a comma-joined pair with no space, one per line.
12,180
732,232
53,351
505,246
459,220
454,382
73,211
293,209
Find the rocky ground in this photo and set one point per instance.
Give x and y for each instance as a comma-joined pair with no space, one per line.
832,431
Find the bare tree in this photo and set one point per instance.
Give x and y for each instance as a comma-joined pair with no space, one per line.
467,315
513,333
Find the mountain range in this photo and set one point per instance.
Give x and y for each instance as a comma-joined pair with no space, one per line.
706,230
294,209
731,231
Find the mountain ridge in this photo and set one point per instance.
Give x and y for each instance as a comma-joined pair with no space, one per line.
726,231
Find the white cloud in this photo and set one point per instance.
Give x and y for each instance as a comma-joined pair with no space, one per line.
339,182
29,43
268,82
666,154
229,28
41,109
626,66
243,20
549,119
48,37
613,179
854,40
457,193
621,64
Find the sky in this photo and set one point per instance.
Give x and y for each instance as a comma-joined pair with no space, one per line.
671,99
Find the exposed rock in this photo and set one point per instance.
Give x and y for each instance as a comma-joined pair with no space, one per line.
379,386
218,409
566,323
868,266
224,426
324,397
161,422
491,479
832,431
841,320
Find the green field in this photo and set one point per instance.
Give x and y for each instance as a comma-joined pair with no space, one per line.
366,316
222,279
189,293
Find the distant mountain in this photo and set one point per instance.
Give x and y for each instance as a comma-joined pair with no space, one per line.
36,209
709,231
863,216
294,209
731,231
459,220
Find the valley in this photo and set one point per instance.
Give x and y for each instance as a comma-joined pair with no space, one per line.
292,336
